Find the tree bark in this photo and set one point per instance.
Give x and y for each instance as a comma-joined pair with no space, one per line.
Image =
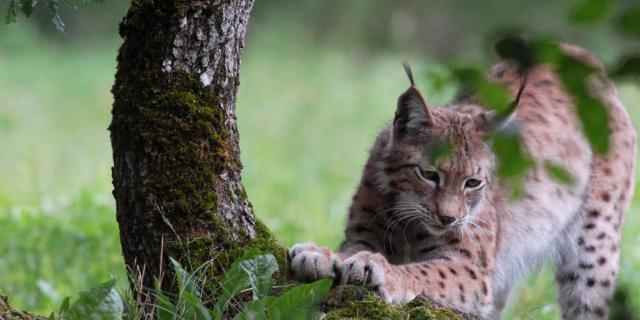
176,172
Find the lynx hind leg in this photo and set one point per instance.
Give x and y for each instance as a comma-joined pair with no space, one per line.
310,262
588,259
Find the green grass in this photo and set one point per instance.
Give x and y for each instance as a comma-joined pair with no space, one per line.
307,118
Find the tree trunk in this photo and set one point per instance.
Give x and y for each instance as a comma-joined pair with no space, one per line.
176,155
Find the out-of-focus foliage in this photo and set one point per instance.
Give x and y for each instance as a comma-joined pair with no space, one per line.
26,7
590,11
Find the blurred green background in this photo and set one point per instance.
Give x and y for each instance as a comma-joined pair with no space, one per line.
318,80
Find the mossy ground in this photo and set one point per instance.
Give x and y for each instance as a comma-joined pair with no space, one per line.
354,302
9,313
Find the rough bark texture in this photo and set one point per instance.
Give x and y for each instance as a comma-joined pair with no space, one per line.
176,171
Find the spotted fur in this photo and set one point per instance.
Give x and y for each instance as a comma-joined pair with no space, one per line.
445,227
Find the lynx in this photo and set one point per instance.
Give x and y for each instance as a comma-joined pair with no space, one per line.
447,228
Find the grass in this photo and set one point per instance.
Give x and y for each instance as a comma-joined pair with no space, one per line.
307,117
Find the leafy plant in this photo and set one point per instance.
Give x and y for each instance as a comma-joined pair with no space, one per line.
27,6
252,273
99,303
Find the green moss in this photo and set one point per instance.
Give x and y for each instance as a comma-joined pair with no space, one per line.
354,302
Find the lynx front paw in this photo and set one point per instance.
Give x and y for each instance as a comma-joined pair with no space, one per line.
310,262
371,270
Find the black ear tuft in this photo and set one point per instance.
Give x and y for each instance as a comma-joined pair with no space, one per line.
407,69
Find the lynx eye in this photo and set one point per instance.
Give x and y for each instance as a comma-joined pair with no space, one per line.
472,183
429,176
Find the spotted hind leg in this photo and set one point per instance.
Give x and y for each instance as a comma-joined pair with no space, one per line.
588,264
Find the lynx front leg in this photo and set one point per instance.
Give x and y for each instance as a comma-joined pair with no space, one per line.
452,282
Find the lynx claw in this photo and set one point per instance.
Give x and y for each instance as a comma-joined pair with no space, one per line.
310,262
368,269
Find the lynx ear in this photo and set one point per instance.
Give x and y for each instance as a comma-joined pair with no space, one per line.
412,113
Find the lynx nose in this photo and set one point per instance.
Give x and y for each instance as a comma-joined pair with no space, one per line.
446,220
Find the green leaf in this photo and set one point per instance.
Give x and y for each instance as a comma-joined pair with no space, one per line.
246,273
186,281
494,96
512,161
558,173
27,6
629,22
591,112
628,66
64,308
55,10
590,11
100,303
192,307
299,303
440,152
255,310
10,16
595,121
515,48
165,309
547,51
260,270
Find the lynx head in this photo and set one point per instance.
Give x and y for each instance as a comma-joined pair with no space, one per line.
438,162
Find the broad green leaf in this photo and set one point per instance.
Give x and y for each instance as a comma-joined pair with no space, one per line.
192,307
558,173
100,303
260,270
512,161
629,22
255,309
27,6
629,66
547,51
10,16
595,121
590,11
591,112
494,96
299,303
245,273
